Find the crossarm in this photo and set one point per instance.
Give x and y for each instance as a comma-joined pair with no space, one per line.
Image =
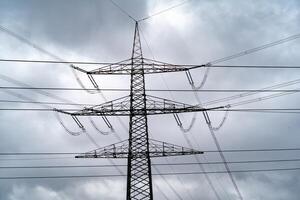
149,66
154,106
156,149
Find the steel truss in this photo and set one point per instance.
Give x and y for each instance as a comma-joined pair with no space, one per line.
138,149
154,106
156,149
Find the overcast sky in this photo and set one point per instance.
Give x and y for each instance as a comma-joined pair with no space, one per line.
196,32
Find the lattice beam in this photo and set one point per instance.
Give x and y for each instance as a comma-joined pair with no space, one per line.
156,149
124,68
154,106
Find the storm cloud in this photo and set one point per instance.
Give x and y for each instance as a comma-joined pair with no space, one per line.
195,33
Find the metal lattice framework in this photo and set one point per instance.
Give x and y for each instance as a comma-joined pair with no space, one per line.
149,66
138,149
154,106
156,149
139,179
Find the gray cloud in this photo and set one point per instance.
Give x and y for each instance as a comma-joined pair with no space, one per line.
197,32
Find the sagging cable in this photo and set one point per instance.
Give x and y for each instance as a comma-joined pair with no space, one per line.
216,128
185,130
180,125
100,131
91,78
191,81
73,133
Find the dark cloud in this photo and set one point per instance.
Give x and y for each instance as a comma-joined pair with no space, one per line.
196,32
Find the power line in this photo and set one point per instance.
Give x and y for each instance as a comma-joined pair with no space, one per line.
163,11
154,164
54,62
205,151
221,153
26,41
122,10
35,158
246,94
255,110
9,79
253,150
35,109
163,178
265,110
192,66
31,44
208,179
147,90
44,93
46,52
44,102
157,174
253,50
77,78
249,66
184,130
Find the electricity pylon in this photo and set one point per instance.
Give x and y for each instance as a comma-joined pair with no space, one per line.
138,149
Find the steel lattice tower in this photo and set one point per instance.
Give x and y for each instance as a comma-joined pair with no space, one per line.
139,181
138,149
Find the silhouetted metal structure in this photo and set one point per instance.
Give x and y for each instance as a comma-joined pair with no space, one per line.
138,149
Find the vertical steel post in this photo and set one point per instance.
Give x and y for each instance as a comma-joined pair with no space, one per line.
139,177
